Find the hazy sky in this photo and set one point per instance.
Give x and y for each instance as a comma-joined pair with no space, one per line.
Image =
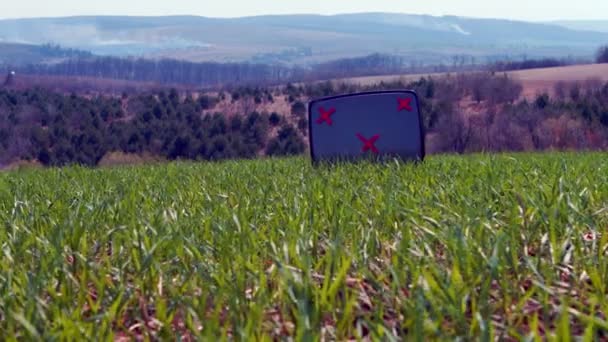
535,10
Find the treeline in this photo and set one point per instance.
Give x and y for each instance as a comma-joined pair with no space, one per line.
54,50
530,64
170,72
216,75
462,113
56,129
167,71
375,64
602,55
213,75
576,120
13,55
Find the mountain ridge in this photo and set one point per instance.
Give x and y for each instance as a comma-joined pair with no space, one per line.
304,38
586,25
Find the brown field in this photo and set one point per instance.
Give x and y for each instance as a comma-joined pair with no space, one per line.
534,81
543,80
370,80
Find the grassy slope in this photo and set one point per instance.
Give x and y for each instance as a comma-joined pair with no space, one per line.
457,246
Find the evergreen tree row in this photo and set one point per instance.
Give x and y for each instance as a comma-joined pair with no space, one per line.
57,129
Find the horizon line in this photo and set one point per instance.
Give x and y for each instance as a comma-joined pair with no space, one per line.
300,14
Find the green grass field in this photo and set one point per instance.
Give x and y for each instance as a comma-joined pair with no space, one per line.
490,247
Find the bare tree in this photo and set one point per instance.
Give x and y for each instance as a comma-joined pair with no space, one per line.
561,89
506,135
563,133
455,131
529,119
592,85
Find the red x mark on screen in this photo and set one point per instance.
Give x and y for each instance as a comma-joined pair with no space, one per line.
405,104
325,116
369,144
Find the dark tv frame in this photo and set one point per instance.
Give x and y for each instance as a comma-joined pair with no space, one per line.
410,92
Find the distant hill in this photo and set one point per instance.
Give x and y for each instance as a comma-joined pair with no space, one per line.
586,25
306,39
